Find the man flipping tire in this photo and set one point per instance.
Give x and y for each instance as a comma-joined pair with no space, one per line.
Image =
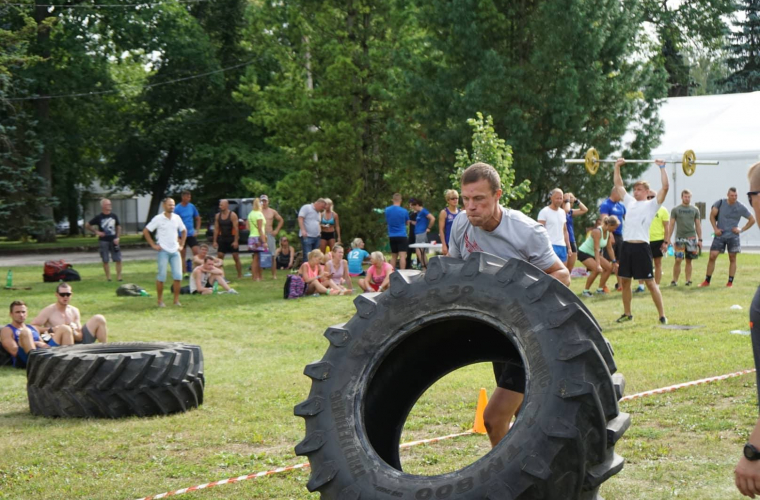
508,234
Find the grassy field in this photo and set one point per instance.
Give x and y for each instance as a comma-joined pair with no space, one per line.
683,444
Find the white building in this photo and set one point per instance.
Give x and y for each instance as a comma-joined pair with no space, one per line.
721,127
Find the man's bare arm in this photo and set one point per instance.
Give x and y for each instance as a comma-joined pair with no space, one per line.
42,318
280,222
559,271
618,179
663,192
6,339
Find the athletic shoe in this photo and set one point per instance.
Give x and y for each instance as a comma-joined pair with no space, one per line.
602,291
624,318
704,284
673,283
663,320
233,291
586,293
640,289
688,283
729,285
247,275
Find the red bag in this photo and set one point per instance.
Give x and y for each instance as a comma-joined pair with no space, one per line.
55,270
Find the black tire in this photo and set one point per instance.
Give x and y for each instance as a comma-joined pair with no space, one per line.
115,380
402,341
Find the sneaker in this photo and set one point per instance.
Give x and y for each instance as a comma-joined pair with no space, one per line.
640,289
233,291
602,291
673,283
624,318
688,283
729,285
704,284
247,275
586,293
663,320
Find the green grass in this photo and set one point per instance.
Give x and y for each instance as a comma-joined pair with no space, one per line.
67,242
255,346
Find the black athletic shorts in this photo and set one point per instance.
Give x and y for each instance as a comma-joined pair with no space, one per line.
225,246
191,242
327,236
617,246
583,256
636,261
656,247
399,244
510,375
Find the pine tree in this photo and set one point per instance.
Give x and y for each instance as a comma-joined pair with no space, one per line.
744,50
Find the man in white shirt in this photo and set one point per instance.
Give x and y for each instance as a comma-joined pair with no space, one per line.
167,226
555,221
636,258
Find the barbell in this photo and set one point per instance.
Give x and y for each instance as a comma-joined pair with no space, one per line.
688,161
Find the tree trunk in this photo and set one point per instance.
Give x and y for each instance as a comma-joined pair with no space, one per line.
162,183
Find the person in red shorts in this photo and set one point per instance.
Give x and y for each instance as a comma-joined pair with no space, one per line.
378,274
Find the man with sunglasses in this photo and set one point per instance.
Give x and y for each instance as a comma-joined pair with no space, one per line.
63,313
724,217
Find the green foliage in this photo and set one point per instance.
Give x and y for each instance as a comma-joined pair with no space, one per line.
744,50
487,147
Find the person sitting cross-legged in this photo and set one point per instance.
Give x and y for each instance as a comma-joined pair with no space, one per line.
19,339
378,274
314,276
204,276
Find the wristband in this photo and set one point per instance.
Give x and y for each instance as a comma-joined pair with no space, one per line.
700,239
662,166
614,261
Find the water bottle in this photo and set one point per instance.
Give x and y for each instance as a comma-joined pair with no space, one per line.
216,287
143,293
9,279
671,252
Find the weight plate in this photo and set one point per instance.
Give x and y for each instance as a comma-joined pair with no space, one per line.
689,162
592,161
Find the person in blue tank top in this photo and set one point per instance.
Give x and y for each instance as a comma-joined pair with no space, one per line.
446,218
422,226
19,339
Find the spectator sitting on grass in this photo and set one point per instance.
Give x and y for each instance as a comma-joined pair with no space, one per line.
63,313
316,279
19,339
378,274
283,256
337,268
199,259
356,258
204,276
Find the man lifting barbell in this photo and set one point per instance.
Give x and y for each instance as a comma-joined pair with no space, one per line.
592,162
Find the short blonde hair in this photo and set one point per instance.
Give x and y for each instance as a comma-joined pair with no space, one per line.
449,192
356,242
645,184
377,256
316,253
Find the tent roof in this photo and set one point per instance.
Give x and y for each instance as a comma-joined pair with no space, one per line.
716,124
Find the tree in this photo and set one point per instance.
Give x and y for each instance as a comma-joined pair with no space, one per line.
744,50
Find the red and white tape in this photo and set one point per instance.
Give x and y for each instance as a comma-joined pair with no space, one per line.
429,441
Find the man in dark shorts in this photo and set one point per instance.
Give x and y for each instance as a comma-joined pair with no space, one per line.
685,223
747,471
724,217
397,219
106,226
613,206
19,339
63,314
657,232
636,259
192,220
489,227
226,235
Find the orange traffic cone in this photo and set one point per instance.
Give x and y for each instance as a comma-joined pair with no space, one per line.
479,426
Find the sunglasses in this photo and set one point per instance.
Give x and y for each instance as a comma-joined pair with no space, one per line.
65,294
750,194
650,197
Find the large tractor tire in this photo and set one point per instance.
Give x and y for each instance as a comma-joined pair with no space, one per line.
402,341
115,380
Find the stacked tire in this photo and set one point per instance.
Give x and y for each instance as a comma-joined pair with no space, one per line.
402,341
115,380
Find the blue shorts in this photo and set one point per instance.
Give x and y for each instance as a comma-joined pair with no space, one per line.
561,252
21,357
174,261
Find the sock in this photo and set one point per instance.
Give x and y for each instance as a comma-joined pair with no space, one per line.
708,278
730,279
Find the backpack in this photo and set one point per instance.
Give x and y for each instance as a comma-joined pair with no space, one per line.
129,290
55,270
294,287
71,275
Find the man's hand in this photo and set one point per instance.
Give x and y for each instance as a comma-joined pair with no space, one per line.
180,248
718,232
736,230
620,162
747,477
664,247
100,233
155,247
116,241
235,243
660,163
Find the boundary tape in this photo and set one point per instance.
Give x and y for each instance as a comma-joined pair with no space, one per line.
409,444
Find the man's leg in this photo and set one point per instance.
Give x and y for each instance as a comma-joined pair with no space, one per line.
499,412
402,259
26,341
688,270
677,264
657,270
163,260
654,291
175,262
625,284
731,267
711,264
63,335
98,328
107,269
118,271
160,293
238,264
394,257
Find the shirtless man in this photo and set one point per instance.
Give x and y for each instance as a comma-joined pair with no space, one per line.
270,215
199,259
19,339
62,313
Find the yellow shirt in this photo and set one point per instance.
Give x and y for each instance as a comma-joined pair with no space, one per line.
657,230
253,216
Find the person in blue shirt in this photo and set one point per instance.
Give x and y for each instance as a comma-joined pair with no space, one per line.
613,206
356,258
397,219
192,220
422,227
18,339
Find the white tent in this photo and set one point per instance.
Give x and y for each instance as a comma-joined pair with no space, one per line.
722,127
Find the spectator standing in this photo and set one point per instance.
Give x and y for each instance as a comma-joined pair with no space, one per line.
725,215
356,258
204,277
329,227
688,241
422,225
226,235
271,215
397,219
283,256
590,253
106,226
257,240
410,234
19,339
573,208
636,257
657,231
613,206
308,222
63,314
747,471
446,218
555,221
191,218
378,274
167,226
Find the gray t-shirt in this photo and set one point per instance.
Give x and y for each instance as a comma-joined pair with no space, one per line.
516,236
729,215
687,218
310,220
